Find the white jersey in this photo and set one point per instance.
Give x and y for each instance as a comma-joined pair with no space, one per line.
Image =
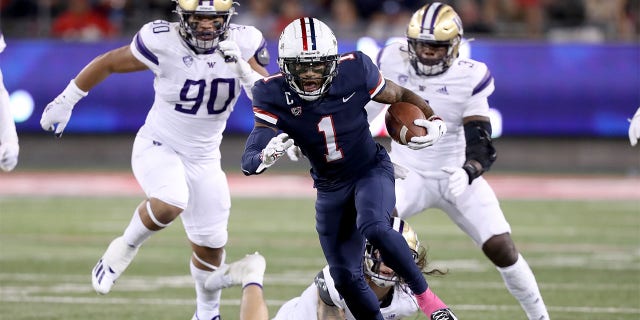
304,307
2,43
459,92
194,93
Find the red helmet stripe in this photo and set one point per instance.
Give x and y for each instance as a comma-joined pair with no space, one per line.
305,46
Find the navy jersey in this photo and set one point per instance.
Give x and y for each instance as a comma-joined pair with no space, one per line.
332,131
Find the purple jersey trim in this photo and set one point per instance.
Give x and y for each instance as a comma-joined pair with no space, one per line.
142,48
486,80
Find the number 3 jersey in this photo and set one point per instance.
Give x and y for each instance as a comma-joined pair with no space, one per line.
459,92
194,93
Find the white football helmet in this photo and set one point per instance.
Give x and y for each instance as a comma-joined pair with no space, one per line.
204,41
308,43
435,25
372,259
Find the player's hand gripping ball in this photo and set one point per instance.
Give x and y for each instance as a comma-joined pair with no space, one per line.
399,121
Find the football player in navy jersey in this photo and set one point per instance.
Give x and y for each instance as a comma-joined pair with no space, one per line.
317,100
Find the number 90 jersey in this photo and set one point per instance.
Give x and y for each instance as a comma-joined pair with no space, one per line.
194,93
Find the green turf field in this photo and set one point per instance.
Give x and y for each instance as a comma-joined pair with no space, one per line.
586,256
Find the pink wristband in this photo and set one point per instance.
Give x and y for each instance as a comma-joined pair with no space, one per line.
429,302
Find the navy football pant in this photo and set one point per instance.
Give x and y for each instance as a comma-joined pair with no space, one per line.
348,215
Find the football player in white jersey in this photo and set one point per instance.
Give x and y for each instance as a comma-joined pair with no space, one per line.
321,299
200,64
9,147
634,128
449,173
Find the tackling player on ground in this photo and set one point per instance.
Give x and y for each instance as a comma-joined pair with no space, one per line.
321,300
449,174
200,65
317,100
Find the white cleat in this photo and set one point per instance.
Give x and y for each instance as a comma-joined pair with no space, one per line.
114,261
248,270
195,317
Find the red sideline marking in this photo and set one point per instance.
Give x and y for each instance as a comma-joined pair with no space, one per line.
275,185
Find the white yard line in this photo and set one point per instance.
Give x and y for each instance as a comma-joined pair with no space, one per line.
568,187
275,303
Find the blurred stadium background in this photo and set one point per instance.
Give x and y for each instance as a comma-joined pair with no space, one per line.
567,73
567,78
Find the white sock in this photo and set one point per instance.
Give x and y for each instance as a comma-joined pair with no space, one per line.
522,284
207,302
136,233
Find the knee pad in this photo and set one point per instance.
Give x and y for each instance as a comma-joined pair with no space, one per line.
217,240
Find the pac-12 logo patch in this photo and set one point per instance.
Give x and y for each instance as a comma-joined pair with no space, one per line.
296,111
402,79
188,60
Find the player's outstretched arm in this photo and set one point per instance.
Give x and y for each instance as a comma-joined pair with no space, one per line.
57,113
634,128
263,149
392,93
248,72
436,128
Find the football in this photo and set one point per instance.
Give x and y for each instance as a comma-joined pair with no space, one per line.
399,121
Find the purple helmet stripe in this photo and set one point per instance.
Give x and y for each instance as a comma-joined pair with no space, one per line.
435,16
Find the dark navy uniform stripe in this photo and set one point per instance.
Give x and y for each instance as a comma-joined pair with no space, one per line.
312,30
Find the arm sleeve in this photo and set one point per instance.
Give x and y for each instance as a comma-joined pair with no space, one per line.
257,140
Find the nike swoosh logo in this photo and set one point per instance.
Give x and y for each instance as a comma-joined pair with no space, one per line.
345,99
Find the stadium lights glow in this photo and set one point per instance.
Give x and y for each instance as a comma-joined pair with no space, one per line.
21,103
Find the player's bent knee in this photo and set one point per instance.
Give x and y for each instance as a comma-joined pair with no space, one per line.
218,240
160,212
501,250
342,277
